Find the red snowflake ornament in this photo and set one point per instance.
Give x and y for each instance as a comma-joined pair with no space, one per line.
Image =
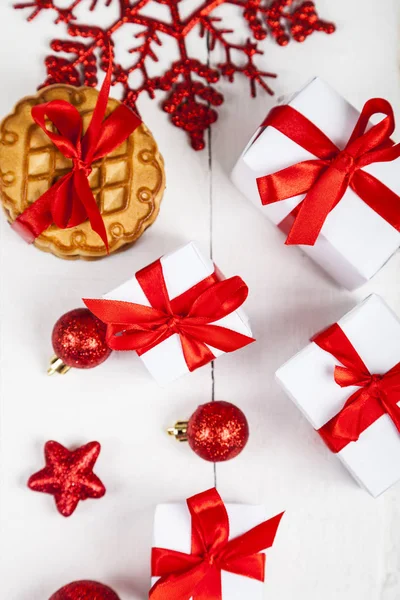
189,83
68,476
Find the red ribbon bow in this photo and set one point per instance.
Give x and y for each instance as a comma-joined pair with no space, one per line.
137,327
326,179
70,201
198,575
378,394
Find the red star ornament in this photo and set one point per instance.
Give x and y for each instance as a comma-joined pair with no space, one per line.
68,475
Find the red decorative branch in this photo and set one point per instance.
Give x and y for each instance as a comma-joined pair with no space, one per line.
228,68
189,83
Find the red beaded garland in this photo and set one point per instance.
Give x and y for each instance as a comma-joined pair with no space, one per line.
85,590
79,339
218,431
191,98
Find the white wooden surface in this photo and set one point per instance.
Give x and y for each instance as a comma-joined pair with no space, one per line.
335,541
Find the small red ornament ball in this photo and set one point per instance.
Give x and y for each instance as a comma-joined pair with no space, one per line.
85,590
218,431
79,339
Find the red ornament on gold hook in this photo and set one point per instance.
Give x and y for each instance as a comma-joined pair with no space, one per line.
79,341
217,431
85,590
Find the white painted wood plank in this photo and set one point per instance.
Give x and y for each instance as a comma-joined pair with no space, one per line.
117,403
337,542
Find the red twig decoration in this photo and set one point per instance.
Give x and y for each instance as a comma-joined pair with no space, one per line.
191,96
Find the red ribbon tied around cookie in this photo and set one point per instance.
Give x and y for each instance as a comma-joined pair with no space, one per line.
377,394
70,201
191,315
198,575
325,179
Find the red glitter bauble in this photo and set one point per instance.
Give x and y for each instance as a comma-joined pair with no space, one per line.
85,590
218,431
79,339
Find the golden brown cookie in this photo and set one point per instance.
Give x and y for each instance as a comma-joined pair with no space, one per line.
128,184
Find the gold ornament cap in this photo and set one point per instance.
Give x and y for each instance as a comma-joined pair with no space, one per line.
179,431
57,366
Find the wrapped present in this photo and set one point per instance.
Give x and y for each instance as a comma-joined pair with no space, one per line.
347,383
178,314
81,175
329,179
206,550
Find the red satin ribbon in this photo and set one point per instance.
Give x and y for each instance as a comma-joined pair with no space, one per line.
198,575
325,179
70,201
377,394
136,327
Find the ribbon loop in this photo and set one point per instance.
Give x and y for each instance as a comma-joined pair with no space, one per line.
377,395
326,180
198,575
70,201
66,119
192,316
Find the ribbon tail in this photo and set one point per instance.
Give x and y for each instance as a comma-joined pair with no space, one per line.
89,141
211,586
125,339
89,202
165,561
38,216
222,338
316,206
179,586
102,137
346,426
289,182
62,203
119,312
195,340
196,353
348,423
78,211
254,541
129,326
252,566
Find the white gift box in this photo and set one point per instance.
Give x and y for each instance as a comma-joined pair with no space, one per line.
182,269
173,530
308,378
355,242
